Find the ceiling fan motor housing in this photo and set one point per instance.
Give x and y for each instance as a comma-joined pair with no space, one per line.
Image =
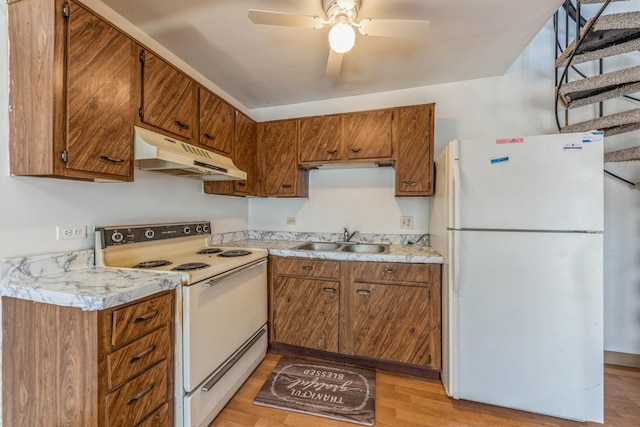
335,8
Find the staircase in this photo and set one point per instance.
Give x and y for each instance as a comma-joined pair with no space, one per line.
612,96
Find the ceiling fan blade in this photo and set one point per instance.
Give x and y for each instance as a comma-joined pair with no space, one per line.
267,17
334,64
394,28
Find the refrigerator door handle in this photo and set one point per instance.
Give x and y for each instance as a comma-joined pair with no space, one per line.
454,314
454,210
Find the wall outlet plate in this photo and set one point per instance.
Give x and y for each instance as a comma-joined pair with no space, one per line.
406,222
65,232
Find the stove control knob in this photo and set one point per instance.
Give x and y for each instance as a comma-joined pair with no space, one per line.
117,237
205,228
199,228
186,230
149,233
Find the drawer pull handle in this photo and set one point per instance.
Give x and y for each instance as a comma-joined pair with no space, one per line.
111,160
332,290
208,136
332,152
241,184
307,267
363,292
133,399
181,125
142,354
389,271
356,150
410,183
286,186
146,316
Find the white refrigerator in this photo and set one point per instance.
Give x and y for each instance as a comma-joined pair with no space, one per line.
519,222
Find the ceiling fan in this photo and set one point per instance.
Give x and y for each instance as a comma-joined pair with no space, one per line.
341,16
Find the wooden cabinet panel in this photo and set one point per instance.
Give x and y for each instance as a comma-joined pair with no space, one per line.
395,272
279,170
168,97
306,312
216,123
308,267
392,322
414,164
159,418
320,138
137,320
368,134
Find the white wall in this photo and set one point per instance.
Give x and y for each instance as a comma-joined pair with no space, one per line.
518,103
31,208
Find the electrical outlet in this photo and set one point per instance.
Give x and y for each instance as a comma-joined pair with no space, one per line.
65,232
406,222
291,220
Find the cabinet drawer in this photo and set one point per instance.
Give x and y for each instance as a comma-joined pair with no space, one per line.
138,398
160,418
395,272
137,320
135,358
308,267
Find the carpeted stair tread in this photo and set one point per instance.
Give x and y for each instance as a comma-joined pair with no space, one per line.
612,34
613,124
601,87
624,155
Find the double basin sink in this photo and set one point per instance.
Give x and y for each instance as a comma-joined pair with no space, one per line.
361,248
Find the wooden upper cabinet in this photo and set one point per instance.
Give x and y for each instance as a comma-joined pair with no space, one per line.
413,131
245,157
71,86
216,123
168,98
279,172
367,135
320,139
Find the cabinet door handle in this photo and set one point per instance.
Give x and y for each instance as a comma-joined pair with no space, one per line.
142,354
181,125
332,290
389,271
332,152
208,136
411,183
286,186
111,160
356,150
241,184
133,399
363,292
146,316
307,267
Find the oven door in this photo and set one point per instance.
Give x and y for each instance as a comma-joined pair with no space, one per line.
219,316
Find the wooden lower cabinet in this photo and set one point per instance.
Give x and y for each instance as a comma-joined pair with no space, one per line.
366,311
67,367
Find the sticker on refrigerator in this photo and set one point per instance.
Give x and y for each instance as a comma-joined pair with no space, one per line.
500,159
572,147
510,141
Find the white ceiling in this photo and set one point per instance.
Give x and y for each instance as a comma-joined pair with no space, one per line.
263,66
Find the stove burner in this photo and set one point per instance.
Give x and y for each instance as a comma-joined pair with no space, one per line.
234,253
152,264
209,251
191,266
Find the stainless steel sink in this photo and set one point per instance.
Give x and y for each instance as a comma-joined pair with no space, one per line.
366,248
318,246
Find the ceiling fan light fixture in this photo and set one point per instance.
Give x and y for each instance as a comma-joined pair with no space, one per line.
342,37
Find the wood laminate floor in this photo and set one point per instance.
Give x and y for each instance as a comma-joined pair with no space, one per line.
406,401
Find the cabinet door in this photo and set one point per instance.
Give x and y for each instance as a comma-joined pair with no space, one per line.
414,162
368,134
279,167
99,85
320,138
305,312
216,123
393,322
245,154
168,97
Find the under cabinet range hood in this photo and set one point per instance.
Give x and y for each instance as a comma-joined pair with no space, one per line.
159,153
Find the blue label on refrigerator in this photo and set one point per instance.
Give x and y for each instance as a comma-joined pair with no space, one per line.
499,159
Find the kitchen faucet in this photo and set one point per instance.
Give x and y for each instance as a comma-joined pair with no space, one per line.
347,237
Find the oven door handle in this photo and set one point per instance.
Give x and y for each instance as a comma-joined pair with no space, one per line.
234,273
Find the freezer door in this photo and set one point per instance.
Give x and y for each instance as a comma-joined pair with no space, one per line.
530,315
551,182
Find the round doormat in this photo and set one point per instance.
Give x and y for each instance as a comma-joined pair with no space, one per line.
328,390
